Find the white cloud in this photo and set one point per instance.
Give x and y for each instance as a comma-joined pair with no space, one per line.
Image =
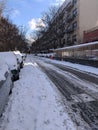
34,22
30,39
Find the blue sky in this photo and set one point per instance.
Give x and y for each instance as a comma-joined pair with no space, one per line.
27,12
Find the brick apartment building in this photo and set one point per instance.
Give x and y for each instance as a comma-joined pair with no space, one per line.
91,35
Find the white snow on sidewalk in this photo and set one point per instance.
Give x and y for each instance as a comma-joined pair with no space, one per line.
35,104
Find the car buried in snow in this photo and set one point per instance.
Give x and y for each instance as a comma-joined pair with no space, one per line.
5,84
14,62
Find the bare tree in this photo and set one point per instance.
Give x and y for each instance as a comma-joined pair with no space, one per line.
10,36
46,20
2,6
43,29
48,16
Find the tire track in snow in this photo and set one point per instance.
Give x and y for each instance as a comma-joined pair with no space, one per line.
87,110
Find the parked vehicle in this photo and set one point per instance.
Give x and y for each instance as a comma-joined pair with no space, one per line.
5,84
13,63
19,58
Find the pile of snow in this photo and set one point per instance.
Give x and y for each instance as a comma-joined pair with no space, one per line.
80,67
78,46
18,56
3,69
10,59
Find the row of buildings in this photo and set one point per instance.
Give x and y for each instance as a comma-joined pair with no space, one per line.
74,23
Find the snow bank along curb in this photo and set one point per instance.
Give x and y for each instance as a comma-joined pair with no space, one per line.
80,67
34,104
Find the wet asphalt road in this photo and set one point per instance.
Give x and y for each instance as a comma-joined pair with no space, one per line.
80,90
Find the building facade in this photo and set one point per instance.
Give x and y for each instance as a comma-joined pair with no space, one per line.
81,16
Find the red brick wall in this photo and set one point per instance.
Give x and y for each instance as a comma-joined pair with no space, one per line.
90,36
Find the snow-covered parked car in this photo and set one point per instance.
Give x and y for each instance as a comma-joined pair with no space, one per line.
12,62
19,58
5,84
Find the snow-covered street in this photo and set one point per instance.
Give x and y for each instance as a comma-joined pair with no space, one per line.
35,103
79,85
53,95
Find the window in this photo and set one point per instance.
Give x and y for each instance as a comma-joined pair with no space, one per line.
68,39
74,25
75,12
74,2
74,38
